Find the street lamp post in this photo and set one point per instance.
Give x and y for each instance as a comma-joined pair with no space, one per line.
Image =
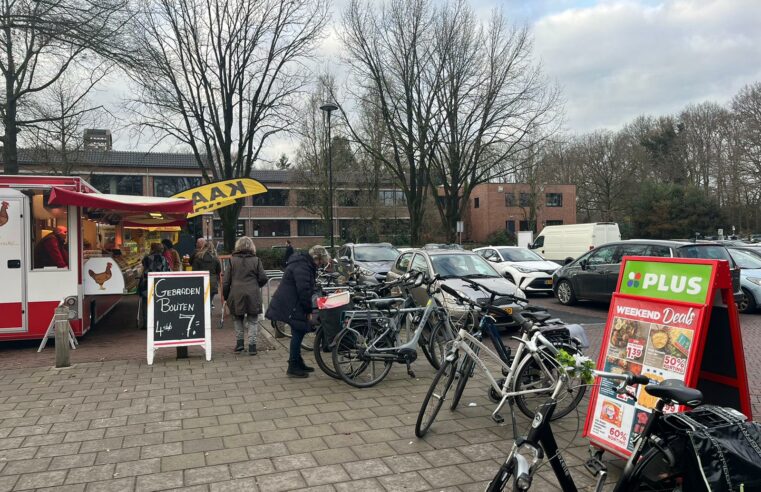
329,108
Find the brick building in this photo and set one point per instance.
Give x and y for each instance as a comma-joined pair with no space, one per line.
514,207
272,217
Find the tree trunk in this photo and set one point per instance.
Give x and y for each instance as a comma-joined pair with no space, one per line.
10,153
229,216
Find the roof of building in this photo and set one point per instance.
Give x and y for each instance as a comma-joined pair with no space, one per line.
110,158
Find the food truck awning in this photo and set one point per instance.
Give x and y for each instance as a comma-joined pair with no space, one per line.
143,210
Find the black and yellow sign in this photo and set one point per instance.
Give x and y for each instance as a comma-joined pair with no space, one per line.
220,194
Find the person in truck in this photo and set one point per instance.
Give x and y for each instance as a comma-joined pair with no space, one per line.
52,251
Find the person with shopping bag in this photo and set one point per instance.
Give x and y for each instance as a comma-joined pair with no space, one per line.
243,280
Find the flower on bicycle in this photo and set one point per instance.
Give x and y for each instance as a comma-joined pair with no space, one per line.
577,365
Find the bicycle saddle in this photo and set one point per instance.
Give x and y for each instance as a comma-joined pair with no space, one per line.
384,303
537,316
675,390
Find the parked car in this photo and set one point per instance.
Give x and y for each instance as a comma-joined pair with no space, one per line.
749,261
451,267
521,266
594,276
370,261
564,243
443,246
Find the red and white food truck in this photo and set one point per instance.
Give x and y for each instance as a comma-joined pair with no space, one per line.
62,241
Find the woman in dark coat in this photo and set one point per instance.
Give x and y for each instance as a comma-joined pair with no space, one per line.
292,302
205,260
242,285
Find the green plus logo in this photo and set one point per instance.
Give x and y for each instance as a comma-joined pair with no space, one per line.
669,281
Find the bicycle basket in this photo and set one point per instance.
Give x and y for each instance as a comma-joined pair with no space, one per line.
722,450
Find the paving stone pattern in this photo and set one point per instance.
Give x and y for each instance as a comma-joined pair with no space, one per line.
238,423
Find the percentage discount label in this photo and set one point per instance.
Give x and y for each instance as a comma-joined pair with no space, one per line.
674,364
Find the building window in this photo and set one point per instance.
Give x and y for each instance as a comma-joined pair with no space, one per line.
389,198
510,199
273,198
526,225
240,228
272,228
554,199
510,226
307,198
171,185
525,200
347,198
553,222
310,227
120,185
476,202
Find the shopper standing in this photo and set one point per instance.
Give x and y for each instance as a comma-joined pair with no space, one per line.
288,251
154,261
292,302
172,256
241,288
205,260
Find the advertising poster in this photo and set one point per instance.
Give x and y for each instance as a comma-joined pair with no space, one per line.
647,338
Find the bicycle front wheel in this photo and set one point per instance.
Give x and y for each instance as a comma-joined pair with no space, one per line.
464,371
435,397
441,336
654,472
352,362
284,329
322,354
538,378
503,475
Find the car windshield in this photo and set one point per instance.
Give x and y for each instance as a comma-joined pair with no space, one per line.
375,253
708,251
462,266
519,254
746,260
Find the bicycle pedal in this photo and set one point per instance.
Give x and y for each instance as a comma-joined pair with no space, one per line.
595,466
497,418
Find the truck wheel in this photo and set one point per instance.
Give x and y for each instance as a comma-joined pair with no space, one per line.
565,293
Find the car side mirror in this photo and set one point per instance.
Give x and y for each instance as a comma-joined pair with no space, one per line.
345,259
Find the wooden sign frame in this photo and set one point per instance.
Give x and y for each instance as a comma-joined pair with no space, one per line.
661,325
205,341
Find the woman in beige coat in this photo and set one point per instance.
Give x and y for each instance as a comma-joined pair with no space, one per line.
242,285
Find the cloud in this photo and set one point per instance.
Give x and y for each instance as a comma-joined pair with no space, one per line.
618,59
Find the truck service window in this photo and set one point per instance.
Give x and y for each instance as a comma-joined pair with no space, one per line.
49,230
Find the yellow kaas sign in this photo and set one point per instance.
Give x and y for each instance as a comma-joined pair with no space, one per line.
220,194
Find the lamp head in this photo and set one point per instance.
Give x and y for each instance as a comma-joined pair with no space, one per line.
328,107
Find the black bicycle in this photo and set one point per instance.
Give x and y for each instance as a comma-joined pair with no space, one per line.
651,467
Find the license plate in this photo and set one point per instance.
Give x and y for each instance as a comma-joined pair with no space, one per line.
548,282
508,310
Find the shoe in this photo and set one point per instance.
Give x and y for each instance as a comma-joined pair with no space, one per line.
295,371
305,367
239,346
251,349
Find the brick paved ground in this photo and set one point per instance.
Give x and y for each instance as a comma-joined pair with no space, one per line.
237,423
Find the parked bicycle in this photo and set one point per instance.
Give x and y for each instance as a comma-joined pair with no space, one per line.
372,340
652,465
532,371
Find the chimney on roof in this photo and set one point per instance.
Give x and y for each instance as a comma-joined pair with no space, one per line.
97,139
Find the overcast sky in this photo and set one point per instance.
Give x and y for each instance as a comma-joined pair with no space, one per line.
616,59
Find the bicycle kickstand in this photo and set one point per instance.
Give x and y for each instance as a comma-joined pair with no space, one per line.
495,415
409,370
596,467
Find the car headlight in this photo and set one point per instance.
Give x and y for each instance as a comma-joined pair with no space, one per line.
366,272
524,269
755,280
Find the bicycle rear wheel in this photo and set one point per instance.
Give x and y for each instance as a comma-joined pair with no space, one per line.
351,361
435,398
322,354
441,336
532,375
654,472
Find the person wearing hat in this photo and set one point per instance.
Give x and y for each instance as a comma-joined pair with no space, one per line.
292,302
52,251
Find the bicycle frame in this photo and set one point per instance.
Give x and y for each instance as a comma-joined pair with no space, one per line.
527,343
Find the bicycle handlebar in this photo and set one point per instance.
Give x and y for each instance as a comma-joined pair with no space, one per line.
627,377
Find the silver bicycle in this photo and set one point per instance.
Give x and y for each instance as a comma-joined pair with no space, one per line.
532,372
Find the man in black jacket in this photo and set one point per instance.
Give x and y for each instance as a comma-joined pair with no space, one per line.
292,302
288,251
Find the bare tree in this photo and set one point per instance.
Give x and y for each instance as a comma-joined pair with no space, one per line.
390,54
222,76
63,111
494,105
40,40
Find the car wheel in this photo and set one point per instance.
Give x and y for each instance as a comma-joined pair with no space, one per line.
747,304
565,293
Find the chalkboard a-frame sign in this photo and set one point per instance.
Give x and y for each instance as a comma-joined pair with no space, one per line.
179,311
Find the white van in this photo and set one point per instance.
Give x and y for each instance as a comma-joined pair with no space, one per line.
565,243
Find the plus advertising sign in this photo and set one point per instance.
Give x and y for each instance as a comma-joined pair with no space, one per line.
651,330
